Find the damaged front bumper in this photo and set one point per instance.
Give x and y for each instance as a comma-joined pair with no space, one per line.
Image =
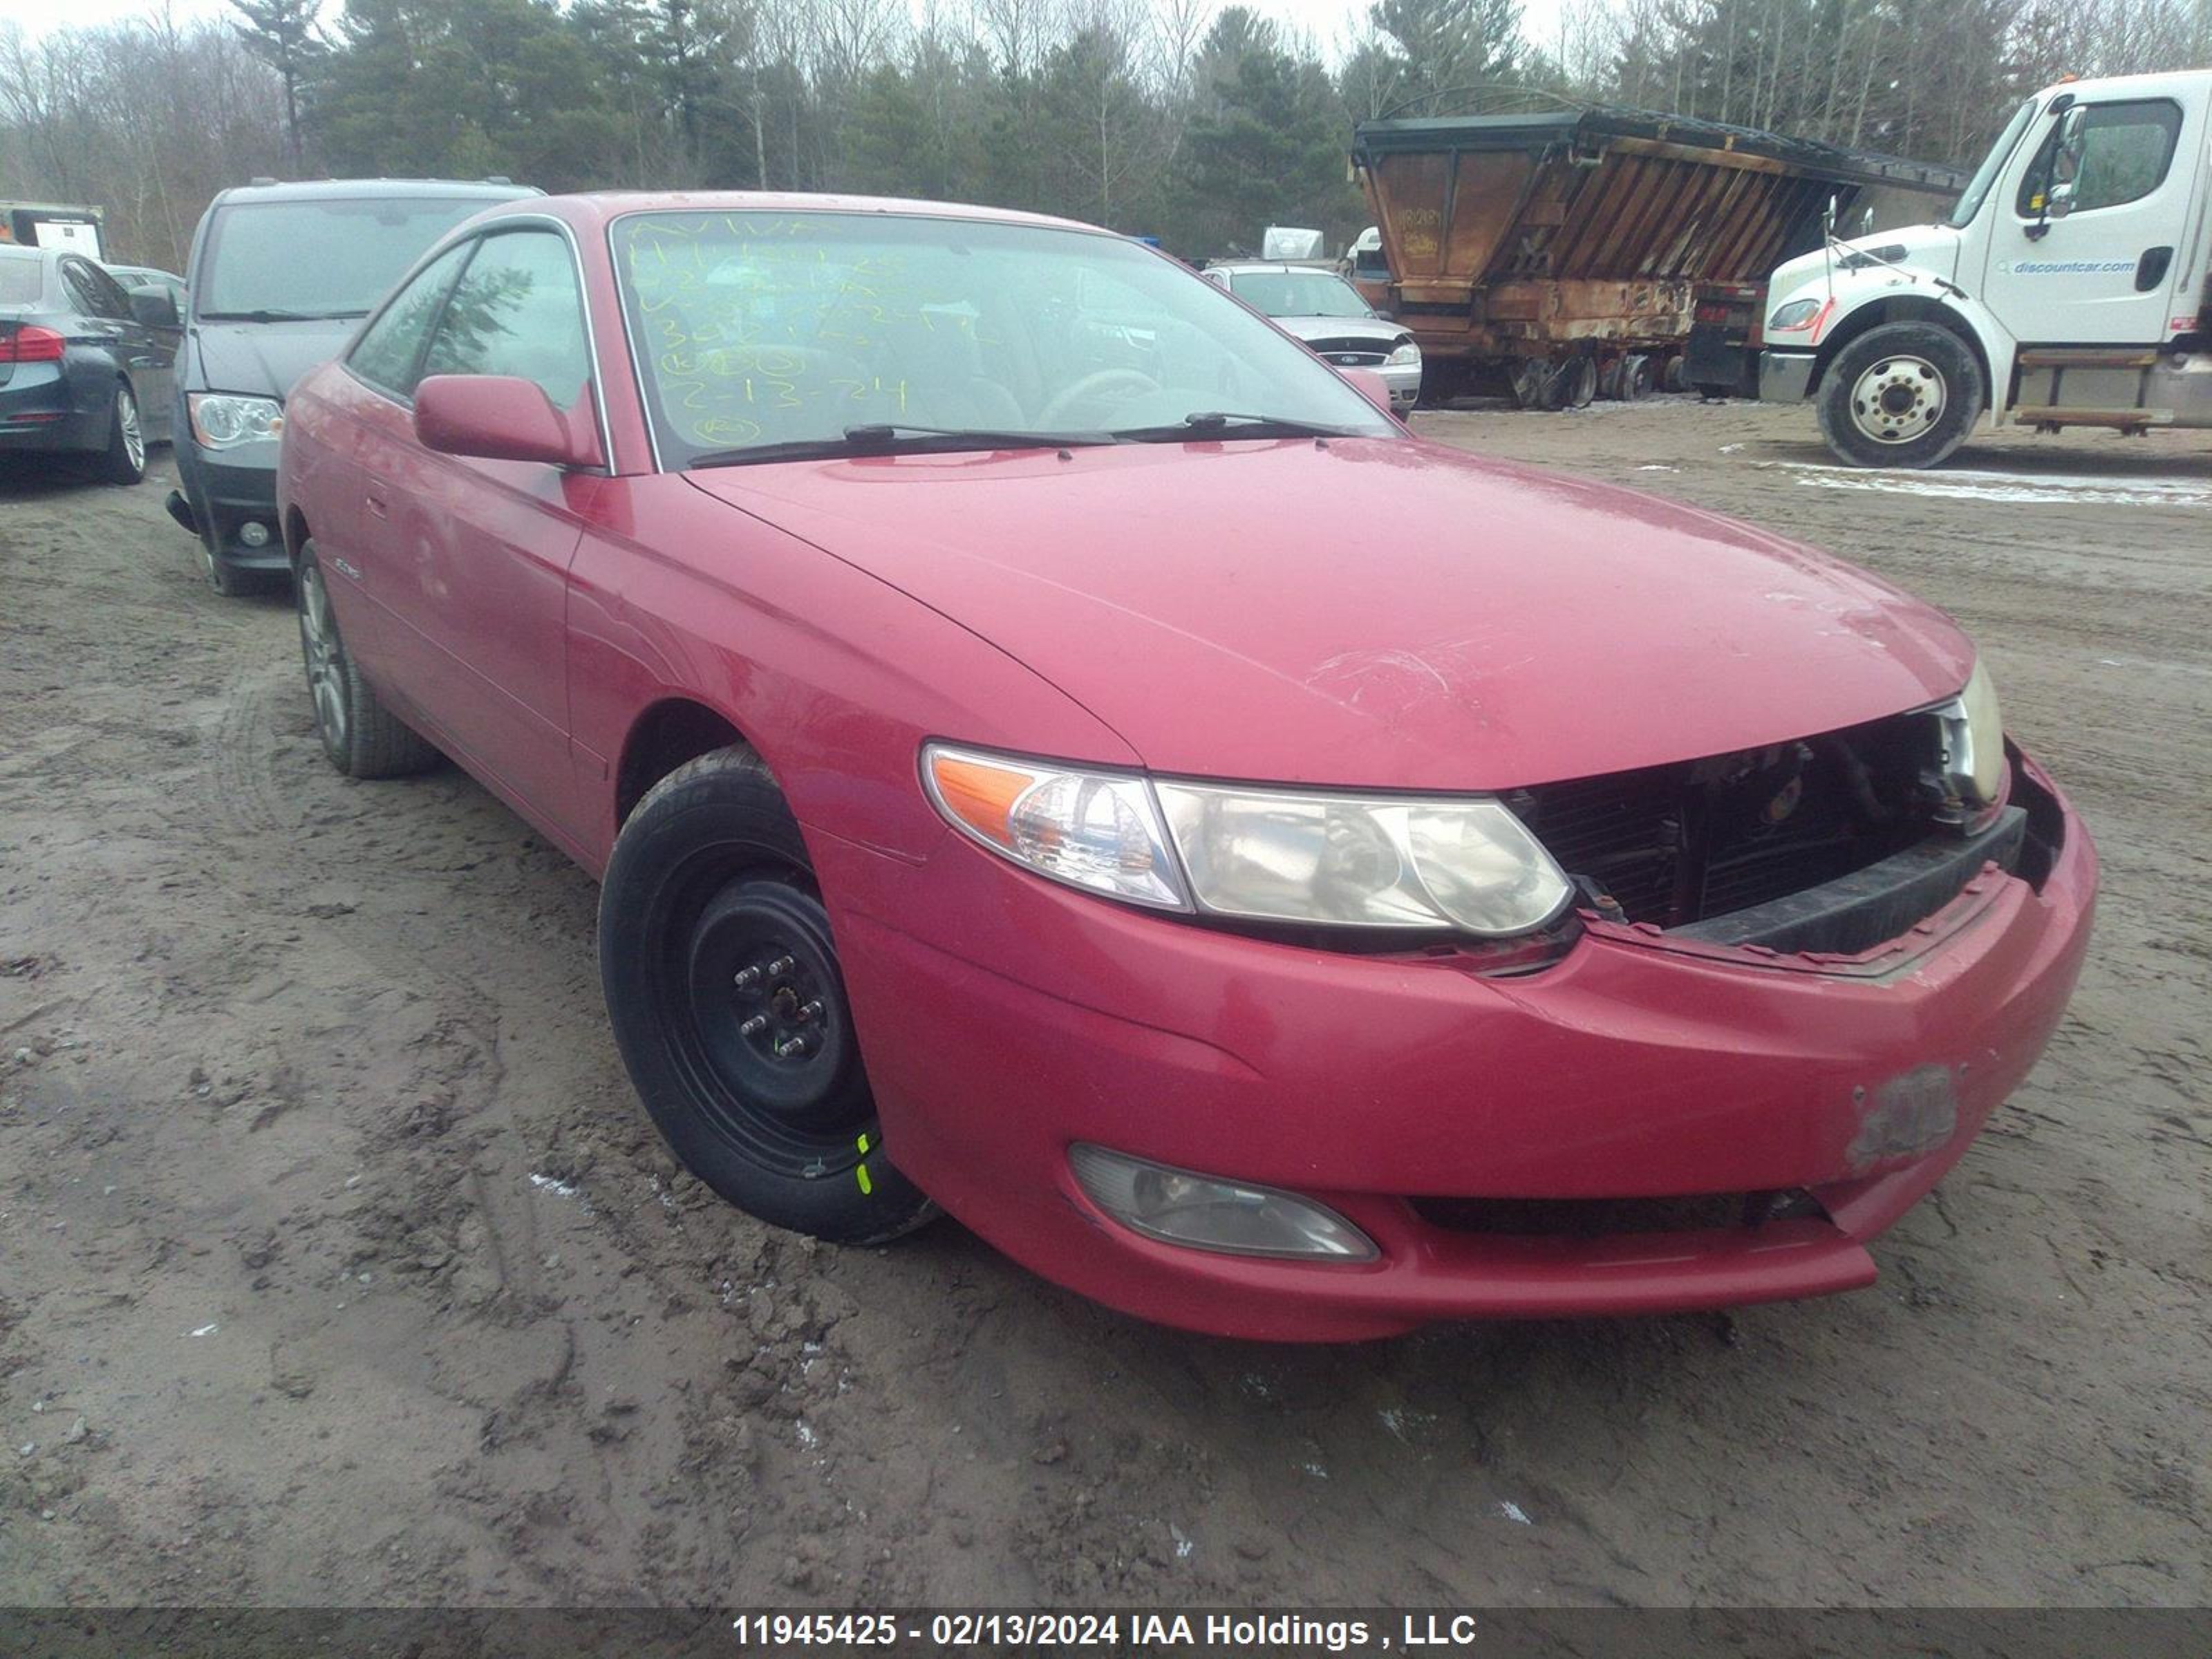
1758,1115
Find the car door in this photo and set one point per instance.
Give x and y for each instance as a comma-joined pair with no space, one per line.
473,555
361,430
2103,273
147,354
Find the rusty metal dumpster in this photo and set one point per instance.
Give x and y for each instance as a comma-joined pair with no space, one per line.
1539,254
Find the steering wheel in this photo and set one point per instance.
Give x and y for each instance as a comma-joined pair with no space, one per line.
1089,387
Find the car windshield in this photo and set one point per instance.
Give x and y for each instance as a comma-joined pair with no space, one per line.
21,276
771,330
317,258
1977,187
1298,293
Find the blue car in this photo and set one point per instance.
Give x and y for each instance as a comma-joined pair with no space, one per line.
87,369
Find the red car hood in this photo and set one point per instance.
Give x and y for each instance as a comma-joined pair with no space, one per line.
1375,612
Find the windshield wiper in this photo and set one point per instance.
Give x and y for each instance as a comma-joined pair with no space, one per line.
1223,423
883,438
271,315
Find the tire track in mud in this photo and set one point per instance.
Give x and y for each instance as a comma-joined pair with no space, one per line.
433,867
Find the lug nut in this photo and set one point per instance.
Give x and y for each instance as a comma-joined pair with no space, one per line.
754,1026
810,1011
791,1048
780,967
748,977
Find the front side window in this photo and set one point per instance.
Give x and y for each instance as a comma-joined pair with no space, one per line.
754,330
517,310
1298,293
389,349
273,260
94,291
2126,148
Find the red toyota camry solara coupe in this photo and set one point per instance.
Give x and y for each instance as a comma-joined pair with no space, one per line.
1056,749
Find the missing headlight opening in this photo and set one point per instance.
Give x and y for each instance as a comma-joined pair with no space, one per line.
1678,847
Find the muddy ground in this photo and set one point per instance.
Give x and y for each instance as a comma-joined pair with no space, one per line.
338,1263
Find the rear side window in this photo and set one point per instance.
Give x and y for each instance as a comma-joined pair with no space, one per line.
22,279
516,311
2126,148
389,347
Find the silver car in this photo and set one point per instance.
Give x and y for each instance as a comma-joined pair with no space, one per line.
1327,313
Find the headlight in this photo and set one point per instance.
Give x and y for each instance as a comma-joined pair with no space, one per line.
1404,356
1346,861
1798,313
221,421
1439,864
1973,739
1096,830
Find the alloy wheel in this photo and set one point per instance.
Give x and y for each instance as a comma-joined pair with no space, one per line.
326,657
126,421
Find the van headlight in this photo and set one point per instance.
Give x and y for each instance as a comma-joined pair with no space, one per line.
1456,864
222,420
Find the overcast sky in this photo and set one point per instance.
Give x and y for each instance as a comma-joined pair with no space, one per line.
1326,21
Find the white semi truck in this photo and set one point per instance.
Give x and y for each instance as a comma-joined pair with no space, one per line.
2067,287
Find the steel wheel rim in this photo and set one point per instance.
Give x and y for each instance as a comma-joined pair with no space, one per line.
803,1116
319,645
134,441
1898,399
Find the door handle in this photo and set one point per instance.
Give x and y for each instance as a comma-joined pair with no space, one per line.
376,505
2151,268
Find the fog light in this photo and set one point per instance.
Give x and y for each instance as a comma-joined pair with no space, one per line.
253,533
1178,1207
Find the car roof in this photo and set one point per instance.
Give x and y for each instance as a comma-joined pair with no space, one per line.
1269,267
602,206
356,189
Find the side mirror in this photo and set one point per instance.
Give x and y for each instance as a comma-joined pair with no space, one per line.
500,418
1828,218
154,306
1372,386
2059,201
1387,316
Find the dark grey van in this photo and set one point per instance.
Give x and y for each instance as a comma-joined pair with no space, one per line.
280,276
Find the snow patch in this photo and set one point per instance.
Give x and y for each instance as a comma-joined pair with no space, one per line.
1967,484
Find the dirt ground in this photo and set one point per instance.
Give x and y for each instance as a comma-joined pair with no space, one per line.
338,1264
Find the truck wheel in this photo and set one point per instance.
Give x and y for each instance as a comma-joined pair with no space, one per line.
1635,379
1904,394
1532,378
723,983
1581,382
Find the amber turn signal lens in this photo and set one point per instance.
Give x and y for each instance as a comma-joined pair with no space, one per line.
980,793
1099,830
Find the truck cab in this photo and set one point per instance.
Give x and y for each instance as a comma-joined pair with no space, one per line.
2066,287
